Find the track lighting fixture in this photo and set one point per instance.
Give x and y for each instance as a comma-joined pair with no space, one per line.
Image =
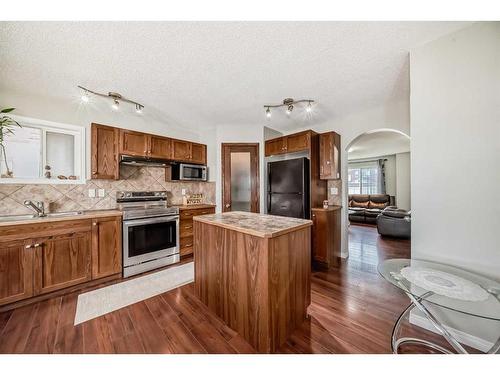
289,104
117,98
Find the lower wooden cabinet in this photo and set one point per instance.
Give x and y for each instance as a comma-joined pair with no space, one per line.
106,246
186,226
16,271
41,258
326,236
61,261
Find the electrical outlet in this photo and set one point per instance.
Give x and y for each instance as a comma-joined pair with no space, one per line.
183,191
334,191
100,193
91,193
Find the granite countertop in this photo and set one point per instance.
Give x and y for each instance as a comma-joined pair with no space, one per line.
330,208
260,225
195,206
90,214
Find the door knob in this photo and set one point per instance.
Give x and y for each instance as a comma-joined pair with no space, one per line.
228,205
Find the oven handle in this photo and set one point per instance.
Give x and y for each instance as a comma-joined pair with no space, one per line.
133,223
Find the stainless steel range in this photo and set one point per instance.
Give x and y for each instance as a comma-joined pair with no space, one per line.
150,231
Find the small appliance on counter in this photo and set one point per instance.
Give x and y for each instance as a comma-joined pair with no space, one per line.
150,231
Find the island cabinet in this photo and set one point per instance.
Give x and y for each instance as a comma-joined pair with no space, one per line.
186,225
326,236
254,272
44,256
329,156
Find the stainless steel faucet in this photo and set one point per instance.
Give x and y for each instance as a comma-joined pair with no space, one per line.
38,207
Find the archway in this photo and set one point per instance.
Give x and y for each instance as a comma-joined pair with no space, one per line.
362,138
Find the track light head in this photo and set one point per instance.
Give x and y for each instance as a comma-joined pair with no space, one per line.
289,109
138,109
85,97
116,105
268,112
309,108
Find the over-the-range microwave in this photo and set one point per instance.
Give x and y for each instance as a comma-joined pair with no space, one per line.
188,172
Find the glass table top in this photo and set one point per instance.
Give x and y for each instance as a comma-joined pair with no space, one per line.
445,286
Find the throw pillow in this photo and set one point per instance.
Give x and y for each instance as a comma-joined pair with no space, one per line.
380,206
360,204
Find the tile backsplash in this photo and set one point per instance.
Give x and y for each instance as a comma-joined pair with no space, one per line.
335,200
59,198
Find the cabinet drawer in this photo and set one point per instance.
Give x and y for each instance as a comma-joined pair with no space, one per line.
186,228
186,247
187,214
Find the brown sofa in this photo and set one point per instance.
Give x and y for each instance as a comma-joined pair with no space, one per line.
364,208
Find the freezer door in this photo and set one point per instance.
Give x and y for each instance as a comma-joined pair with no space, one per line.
288,176
290,205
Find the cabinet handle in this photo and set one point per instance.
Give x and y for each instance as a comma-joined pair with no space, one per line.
189,245
37,245
328,162
188,227
94,223
28,246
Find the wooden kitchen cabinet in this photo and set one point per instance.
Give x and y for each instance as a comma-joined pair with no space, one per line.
16,271
298,142
159,147
329,156
198,153
134,143
104,152
106,246
326,236
275,146
61,261
186,226
181,150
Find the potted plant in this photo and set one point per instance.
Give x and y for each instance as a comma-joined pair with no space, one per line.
7,125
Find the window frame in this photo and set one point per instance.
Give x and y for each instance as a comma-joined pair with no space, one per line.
50,126
360,168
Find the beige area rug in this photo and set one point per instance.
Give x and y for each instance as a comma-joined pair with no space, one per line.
105,300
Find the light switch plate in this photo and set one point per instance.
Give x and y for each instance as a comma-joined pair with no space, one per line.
91,193
183,191
100,193
334,191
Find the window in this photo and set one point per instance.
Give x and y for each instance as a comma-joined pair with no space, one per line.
43,152
363,179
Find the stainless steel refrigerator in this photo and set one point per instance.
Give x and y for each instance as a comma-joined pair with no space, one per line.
288,188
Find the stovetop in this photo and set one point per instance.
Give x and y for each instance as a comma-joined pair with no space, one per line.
144,204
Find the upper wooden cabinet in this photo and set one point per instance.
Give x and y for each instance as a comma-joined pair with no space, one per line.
181,150
134,143
198,153
159,147
290,143
104,152
329,156
106,246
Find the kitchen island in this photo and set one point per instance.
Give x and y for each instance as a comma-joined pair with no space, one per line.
254,272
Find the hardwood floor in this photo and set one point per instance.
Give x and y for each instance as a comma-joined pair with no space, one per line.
353,310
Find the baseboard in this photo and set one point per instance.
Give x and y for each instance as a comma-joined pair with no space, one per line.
462,337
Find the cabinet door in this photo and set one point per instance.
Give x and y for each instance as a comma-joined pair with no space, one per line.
104,152
133,143
198,153
298,142
16,271
319,236
106,247
160,147
329,156
275,146
62,261
181,150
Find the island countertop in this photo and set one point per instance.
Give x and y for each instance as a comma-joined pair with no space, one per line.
260,225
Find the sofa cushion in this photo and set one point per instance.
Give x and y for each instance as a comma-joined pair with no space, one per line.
379,206
380,198
393,213
360,204
373,212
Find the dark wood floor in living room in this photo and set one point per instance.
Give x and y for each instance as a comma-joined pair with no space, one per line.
353,310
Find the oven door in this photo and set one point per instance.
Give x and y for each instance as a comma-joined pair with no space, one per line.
193,172
149,239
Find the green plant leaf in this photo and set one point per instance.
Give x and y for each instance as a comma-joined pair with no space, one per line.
7,110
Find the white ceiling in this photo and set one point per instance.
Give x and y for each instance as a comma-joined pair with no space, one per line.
211,73
376,144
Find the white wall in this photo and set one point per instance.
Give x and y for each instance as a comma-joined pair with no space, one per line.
455,149
403,180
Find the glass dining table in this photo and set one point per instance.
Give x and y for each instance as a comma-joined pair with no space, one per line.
431,286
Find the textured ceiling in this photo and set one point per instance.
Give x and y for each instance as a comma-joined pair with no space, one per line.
377,144
210,73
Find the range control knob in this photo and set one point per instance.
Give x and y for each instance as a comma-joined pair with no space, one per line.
163,194
128,195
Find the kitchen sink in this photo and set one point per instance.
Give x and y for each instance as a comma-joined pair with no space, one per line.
29,217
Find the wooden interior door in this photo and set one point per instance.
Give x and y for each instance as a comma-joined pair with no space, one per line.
16,271
62,261
240,177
